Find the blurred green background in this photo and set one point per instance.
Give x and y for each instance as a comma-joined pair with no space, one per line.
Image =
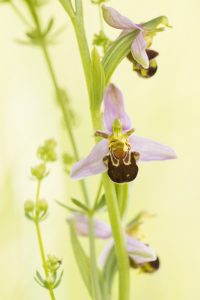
165,108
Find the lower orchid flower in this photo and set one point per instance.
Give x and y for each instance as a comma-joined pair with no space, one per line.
120,148
140,254
140,53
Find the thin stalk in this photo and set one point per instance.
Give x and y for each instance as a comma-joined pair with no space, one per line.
96,291
19,14
41,246
100,18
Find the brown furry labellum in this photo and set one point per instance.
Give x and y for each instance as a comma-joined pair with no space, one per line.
122,165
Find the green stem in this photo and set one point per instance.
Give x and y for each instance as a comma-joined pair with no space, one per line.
68,7
93,265
119,238
19,14
100,18
41,246
79,29
85,55
113,209
123,197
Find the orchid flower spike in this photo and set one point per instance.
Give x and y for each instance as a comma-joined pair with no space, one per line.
120,148
140,53
140,254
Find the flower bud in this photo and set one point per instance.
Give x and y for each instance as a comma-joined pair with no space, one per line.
39,171
29,209
29,206
42,206
53,263
46,152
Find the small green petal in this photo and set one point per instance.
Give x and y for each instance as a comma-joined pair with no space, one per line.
154,23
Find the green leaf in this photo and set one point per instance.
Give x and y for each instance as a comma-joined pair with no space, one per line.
116,52
23,42
98,77
38,278
110,269
81,258
101,203
79,204
64,101
71,209
49,26
35,278
59,280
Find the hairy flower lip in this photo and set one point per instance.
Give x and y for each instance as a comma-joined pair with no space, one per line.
148,149
138,49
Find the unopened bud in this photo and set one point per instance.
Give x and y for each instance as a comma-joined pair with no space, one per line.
53,263
29,206
46,152
39,171
41,206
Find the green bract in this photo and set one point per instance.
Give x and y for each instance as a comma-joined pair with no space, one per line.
116,53
154,23
98,77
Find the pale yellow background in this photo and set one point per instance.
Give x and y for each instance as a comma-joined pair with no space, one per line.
165,108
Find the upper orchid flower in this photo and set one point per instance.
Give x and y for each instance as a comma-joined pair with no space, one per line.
120,148
143,40
140,254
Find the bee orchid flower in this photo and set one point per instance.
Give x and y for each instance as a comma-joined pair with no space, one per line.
140,254
143,40
120,148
